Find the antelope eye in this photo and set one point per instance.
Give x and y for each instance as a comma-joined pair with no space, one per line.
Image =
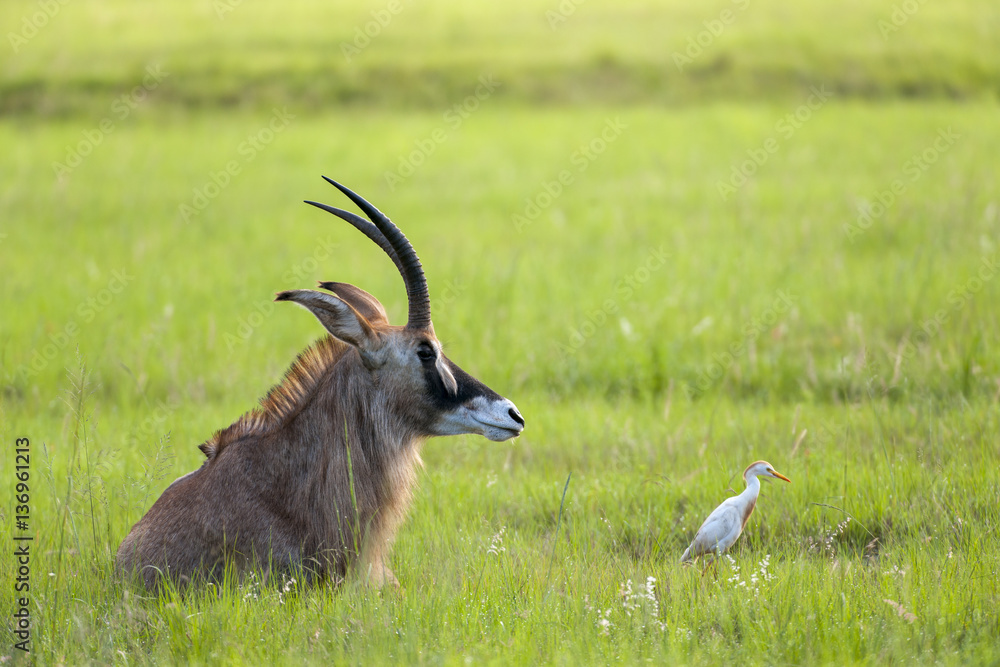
426,353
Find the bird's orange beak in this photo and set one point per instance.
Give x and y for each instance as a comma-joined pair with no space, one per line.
780,476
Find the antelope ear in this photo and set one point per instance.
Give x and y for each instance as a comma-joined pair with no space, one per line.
363,302
340,319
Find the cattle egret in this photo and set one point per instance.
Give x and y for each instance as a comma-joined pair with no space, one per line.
723,526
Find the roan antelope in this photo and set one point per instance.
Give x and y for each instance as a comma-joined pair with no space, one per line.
319,477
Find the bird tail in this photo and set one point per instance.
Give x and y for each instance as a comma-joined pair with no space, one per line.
686,558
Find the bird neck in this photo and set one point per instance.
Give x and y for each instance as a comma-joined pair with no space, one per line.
753,488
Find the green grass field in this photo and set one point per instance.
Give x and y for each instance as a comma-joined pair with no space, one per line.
671,271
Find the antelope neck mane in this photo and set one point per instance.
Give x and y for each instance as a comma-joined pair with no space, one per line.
283,400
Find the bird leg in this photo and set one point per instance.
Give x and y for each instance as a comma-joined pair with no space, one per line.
708,565
713,564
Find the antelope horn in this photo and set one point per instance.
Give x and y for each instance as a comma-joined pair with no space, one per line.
365,227
395,244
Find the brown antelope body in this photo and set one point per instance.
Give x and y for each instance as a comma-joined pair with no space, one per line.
319,477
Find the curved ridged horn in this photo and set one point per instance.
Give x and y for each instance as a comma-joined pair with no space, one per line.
365,227
395,244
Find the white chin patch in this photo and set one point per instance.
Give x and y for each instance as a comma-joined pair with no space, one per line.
493,419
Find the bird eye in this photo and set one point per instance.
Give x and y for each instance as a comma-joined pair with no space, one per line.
426,353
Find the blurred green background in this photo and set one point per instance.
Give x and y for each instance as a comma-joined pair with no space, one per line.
821,178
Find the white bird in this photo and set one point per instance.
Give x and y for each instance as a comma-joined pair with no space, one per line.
723,526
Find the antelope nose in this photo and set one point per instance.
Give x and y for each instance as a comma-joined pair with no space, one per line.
516,416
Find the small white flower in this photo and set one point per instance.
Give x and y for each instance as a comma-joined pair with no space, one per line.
496,543
604,623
